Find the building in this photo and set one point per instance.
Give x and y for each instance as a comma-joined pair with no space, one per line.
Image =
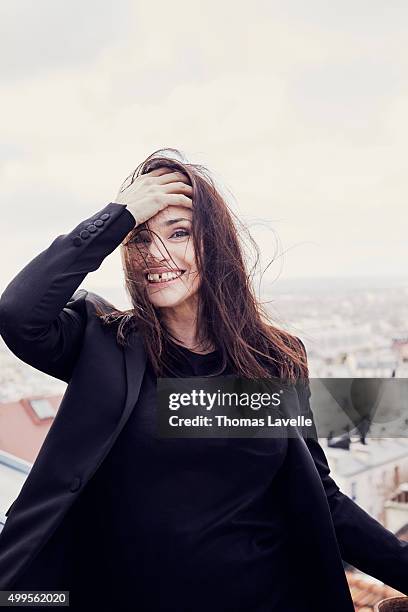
396,511
24,425
369,473
13,472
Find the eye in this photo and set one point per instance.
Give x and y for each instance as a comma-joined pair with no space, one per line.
141,237
186,233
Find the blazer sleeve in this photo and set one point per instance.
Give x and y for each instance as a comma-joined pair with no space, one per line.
42,316
364,542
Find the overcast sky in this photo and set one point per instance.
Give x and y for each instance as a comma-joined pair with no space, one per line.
298,108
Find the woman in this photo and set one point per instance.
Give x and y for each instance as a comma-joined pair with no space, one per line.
125,519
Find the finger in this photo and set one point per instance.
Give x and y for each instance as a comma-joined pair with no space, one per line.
172,177
178,187
177,199
158,171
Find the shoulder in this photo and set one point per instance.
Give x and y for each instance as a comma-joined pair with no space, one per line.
302,346
101,313
291,341
97,302
90,303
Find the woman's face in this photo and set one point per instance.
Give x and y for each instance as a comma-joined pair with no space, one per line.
167,249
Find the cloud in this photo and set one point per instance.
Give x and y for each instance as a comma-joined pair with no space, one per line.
40,37
301,118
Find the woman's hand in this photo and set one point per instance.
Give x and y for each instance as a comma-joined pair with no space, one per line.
151,192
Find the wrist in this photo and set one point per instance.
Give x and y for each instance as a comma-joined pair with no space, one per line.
130,211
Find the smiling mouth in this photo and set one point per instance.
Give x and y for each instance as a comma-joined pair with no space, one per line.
163,277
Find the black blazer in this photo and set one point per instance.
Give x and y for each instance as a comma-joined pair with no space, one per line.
49,324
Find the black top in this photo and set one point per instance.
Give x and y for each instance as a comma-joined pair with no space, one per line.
187,363
189,525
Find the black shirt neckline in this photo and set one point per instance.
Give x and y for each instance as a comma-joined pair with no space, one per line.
189,363
193,353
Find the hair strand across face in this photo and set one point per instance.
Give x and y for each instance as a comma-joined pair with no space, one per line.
229,315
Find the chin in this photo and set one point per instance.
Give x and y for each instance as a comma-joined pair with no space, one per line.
161,300
170,297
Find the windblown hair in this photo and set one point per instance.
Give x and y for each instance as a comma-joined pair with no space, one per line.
229,315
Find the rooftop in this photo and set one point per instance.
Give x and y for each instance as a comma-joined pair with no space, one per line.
366,591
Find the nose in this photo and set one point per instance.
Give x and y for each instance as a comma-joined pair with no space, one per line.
156,249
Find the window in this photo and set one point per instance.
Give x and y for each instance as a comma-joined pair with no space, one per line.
42,408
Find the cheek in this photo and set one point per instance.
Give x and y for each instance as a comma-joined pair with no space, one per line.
135,257
187,256
188,260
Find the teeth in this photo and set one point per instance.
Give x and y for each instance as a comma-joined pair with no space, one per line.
164,276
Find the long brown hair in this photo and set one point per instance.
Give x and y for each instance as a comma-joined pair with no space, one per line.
229,315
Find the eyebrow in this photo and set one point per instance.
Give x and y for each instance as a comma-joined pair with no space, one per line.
164,223
172,221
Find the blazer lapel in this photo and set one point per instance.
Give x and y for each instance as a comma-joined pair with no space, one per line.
135,366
